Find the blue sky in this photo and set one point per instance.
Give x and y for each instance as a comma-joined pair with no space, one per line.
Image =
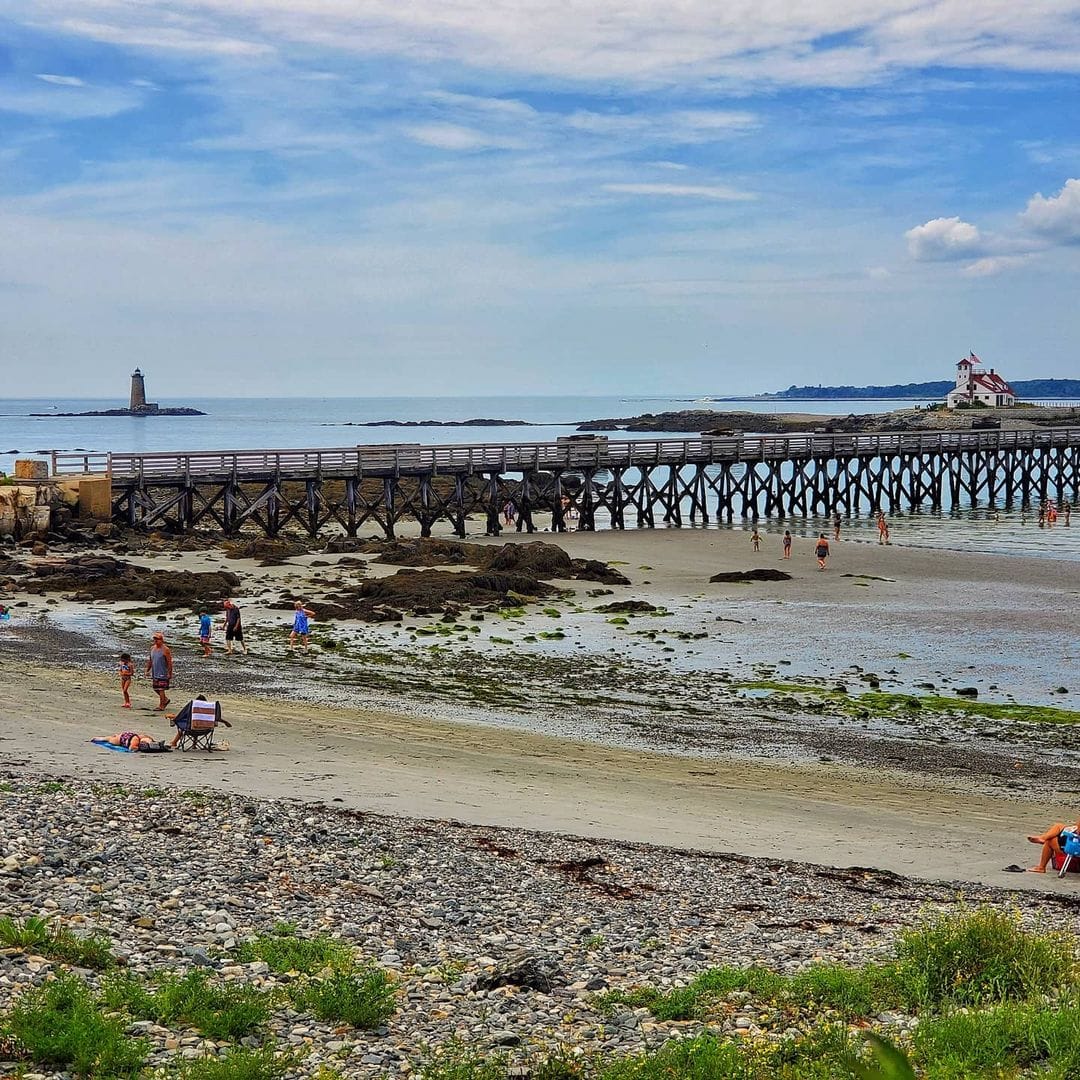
455,196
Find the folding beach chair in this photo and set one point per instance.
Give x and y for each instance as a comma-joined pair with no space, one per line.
1070,847
198,732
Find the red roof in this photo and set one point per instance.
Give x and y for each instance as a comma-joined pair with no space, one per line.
991,382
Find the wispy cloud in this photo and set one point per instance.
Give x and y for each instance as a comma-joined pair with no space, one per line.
682,191
456,137
60,80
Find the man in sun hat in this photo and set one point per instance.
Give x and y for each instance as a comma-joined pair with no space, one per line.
159,667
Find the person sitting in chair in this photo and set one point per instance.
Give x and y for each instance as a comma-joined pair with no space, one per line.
1051,840
182,720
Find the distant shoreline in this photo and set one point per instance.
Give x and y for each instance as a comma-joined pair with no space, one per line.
122,412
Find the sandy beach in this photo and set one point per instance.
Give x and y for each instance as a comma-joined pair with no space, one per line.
737,776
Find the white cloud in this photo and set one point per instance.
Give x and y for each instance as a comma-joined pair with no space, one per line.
457,137
1056,218
944,239
159,34
60,80
994,264
878,273
648,41
682,191
681,126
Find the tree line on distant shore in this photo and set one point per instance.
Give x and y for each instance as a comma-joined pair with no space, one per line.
1025,388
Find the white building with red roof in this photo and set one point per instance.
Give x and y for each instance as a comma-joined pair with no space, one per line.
974,386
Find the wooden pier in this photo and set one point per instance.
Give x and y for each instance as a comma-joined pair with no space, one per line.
604,483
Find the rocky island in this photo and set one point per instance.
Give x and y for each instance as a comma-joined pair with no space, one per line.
137,404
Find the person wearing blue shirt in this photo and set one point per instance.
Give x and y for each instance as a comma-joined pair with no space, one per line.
205,629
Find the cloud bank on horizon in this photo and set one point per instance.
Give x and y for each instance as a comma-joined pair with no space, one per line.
366,197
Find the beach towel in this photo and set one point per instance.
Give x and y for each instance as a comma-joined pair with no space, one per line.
109,746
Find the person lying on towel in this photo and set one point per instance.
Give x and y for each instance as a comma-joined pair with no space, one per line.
131,740
200,706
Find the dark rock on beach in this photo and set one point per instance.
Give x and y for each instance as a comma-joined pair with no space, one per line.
757,574
537,559
426,592
100,577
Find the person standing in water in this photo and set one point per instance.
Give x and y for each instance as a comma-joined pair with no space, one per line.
234,628
300,627
206,626
836,524
882,529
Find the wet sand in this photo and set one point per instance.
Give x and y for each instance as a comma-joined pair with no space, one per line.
1005,624
392,763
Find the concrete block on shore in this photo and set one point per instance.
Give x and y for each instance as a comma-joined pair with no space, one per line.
31,469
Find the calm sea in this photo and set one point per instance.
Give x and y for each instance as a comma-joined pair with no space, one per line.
243,423
246,423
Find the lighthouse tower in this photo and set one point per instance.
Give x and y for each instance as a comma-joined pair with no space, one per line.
138,392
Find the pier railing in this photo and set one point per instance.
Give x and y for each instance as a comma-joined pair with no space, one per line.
414,459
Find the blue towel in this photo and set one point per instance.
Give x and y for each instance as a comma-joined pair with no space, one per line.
109,746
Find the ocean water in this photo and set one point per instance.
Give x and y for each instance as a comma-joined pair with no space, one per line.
244,423
272,423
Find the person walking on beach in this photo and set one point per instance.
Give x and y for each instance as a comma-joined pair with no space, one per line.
836,524
755,539
206,627
300,627
159,666
126,671
1066,510
821,551
508,513
882,529
234,628
787,543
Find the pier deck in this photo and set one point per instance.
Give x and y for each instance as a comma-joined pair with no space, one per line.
604,481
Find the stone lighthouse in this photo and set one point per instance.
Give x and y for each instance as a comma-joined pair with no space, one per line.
138,391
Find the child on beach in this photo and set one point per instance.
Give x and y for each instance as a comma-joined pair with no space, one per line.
300,627
206,627
755,539
882,529
126,671
787,543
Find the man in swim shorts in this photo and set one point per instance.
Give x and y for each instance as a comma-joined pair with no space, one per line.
159,667
234,628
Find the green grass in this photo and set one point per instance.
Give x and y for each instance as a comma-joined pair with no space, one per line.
40,936
238,1064
61,1027
983,957
219,1011
1032,714
364,999
285,952
969,958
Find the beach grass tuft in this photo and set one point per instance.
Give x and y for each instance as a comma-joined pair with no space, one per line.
286,952
39,935
239,1064
963,959
61,1027
364,998
226,1011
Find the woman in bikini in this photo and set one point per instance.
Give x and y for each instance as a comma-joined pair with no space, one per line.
126,740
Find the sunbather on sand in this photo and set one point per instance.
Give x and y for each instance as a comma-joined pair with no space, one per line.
1051,841
127,740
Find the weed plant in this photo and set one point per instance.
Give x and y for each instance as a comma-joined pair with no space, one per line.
40,936
974,958
238,1064
227,1011
61,1027
284,952
364,998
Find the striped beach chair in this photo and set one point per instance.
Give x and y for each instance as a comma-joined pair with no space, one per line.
197,731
